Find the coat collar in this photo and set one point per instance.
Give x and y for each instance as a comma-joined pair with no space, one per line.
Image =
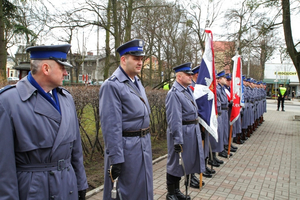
26,89
122,77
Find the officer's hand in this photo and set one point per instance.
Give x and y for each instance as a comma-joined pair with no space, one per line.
81,195
230,105
115,171
178,148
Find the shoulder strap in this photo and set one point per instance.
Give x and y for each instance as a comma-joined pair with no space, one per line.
188,96
5,88
141,98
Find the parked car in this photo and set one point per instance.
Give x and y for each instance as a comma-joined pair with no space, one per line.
98,83
12,79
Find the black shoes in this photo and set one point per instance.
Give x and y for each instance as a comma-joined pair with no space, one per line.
211,171
207,174
194,182
224,154
231,149
218,161
213,163
171,193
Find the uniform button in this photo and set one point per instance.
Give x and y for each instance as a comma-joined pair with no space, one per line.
51,173
52,197
71,192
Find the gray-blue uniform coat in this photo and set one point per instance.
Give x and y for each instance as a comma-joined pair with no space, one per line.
121,109
206,135
252,105
245,110
219,146
40,149
181,106
224,108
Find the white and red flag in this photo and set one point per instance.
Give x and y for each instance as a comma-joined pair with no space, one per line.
235,89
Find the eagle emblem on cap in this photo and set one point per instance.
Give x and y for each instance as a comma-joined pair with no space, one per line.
141,43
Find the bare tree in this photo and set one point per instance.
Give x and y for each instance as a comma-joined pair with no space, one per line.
255,43
291,46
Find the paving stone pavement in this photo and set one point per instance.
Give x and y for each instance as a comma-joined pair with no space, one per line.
266,166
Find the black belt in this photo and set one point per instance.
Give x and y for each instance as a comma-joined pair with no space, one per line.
190,122
41,167
140,133
224,108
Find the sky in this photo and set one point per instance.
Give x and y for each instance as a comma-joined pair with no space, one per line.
90,35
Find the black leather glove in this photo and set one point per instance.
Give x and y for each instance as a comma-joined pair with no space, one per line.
230,105
178,148
115,171
81,194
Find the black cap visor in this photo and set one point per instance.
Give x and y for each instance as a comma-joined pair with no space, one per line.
188,72
65,63
61,61
135,53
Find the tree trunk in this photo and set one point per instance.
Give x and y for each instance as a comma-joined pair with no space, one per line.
286,20
3,53
263,56
128,21
116,27
107,47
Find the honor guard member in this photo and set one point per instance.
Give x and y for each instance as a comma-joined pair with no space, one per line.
40,146
234,132
218,146
252,107
124,114
236,126
205,135
183,132
224,127
245,112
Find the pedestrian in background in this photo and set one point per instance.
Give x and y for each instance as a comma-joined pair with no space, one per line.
281,96
40,146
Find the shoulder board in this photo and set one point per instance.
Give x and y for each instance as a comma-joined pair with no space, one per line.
5,88
64,89
112,78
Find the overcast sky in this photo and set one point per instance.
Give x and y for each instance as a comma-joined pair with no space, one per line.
90,35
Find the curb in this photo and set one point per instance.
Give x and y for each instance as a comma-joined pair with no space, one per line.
100,188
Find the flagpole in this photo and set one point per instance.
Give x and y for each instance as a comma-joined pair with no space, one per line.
229,142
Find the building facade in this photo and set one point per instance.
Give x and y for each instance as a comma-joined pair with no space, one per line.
281,73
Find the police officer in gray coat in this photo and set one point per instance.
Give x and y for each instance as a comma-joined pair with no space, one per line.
124,114
40,146
183,132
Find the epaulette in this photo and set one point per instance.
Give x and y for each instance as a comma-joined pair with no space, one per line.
112,78
64,89
5,88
